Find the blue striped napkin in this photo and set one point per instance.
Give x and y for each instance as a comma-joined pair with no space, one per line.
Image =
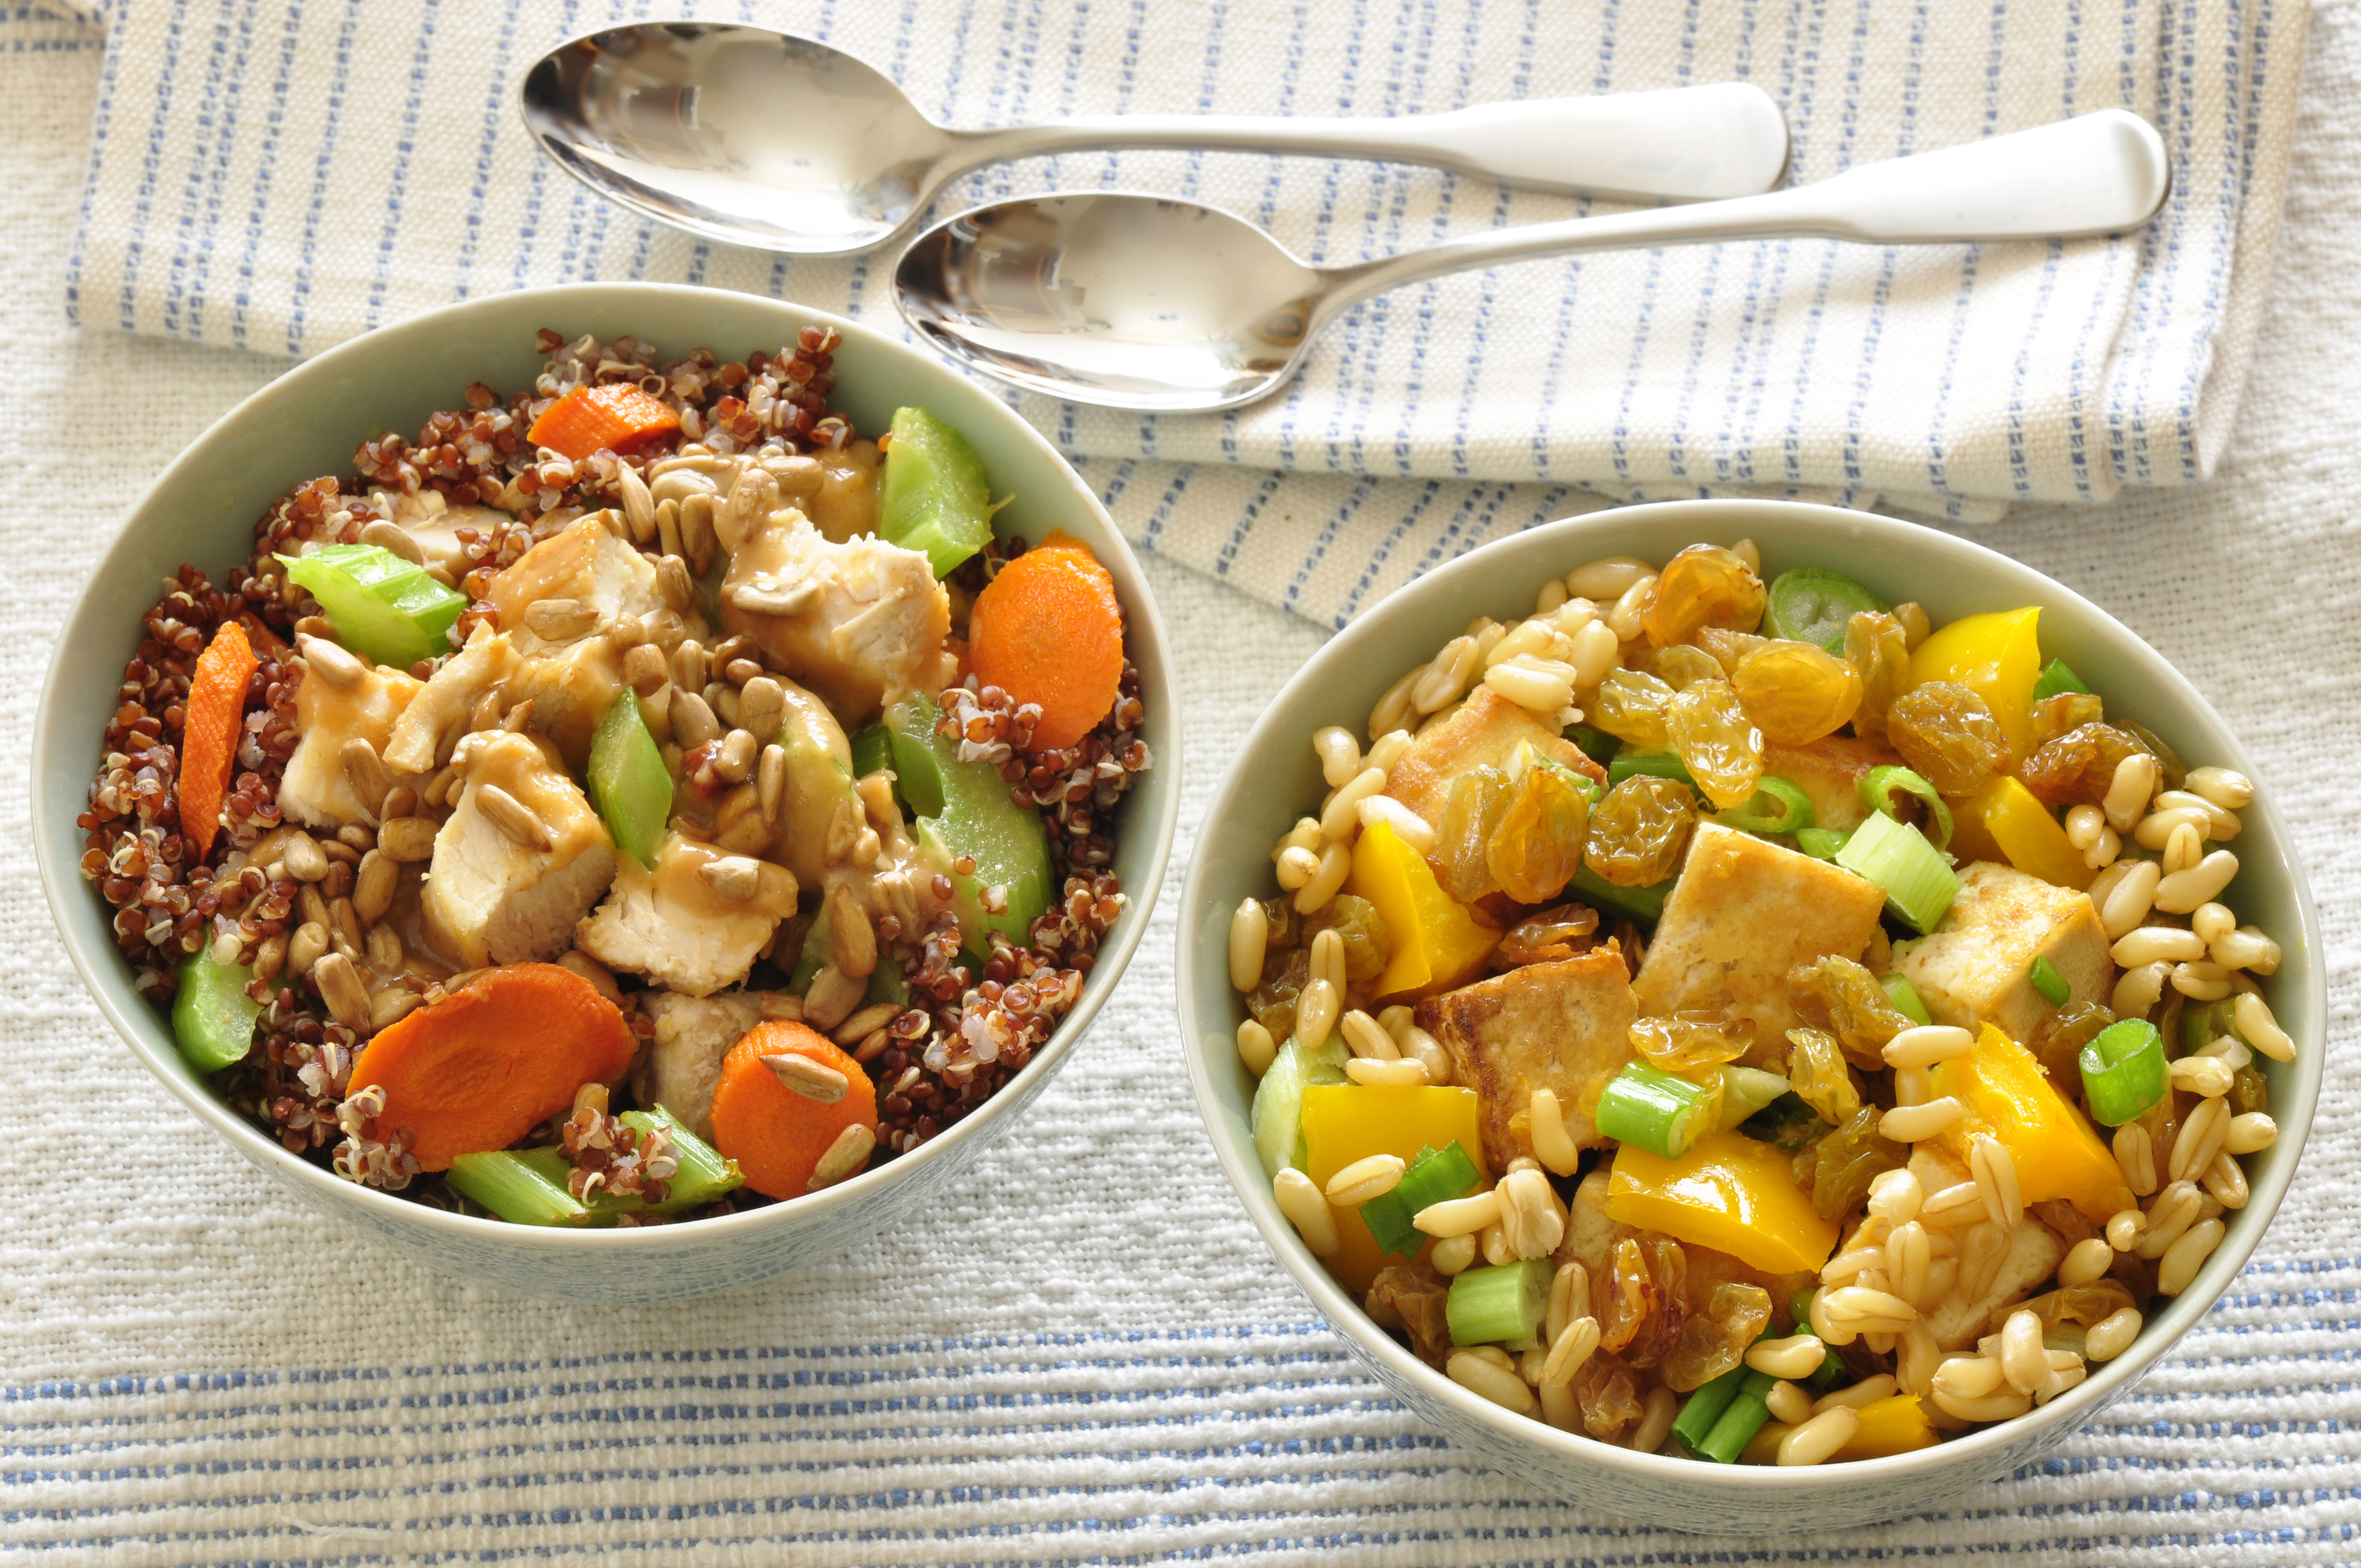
280,178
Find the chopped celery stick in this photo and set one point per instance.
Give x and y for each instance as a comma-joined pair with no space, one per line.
1745,1090
519,1189
873,750
1919,886
1739,1423
1880,784
629,784
2056,681
1502,1305
1595,744
2048,981
1821,843
1813,604
212,1018
1651,1108
812,956
704,1175
1434,1177
886,983
1778,807
934,497
2124,1074
1278,1116
383,608
1657,764
1644,905
1696,1421
1904,997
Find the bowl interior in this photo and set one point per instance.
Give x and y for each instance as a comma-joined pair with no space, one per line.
203,507
1276,778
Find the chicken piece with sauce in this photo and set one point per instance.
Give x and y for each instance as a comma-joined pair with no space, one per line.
521,859
695,923
683,1062
438,714
339,701
857,622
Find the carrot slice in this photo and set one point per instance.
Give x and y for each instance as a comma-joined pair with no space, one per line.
1049,630
496,1058
775,1134
617,416
209,732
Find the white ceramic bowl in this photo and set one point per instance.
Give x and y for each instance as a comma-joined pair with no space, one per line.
1275,777
203,510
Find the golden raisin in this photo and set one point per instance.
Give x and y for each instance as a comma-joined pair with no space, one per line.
2062,714
1639,831
1684,1041
1537,845
1478,797
1879,651
1715,1340
1631,707
1703,585
1722,751
1818,1073
1948,734
2079,767
1796,693
1679,666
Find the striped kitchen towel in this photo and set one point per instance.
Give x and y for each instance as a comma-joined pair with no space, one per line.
281,176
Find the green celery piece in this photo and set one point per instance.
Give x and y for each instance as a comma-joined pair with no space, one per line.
1919,886
934,497
519,1185
885,983
965,808
812,956
212,1018
2056,681
1500,1304
1644,905
383,608
910,726
704,1175
1904,997
873,750
1433,1177
629,784
1278,1114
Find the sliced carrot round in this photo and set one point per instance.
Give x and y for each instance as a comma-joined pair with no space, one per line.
1049,630
496,1058
216,707
777,1134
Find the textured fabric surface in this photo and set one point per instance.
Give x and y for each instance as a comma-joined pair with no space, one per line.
1086,1356
282,179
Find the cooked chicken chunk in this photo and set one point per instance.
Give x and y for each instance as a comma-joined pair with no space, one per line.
858,622
846,503
1743,913
1977,966
439,712
521,859
1562,1027
570,690
695,923
434,522
1484,732
572,586
317,789
684,1062
1830,771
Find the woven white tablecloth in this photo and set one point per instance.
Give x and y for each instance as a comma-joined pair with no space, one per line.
1088,1356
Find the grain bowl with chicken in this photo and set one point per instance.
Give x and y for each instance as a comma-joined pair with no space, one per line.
637,799
1749,1022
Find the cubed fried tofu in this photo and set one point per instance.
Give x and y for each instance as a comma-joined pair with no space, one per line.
317,789
1590,1230
1958,1319
1483,732
683,1060
1744,912
1977,966
1830,771
1562,1027
514,870
440,710
695,923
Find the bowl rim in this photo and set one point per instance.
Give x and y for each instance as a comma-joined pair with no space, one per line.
1686,522
1144,635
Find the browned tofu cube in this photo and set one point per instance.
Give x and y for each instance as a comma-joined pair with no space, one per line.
1745,911
1977,966
1484,732
1561,1026
1830,771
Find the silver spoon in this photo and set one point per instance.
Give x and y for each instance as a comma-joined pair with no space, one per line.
1138,302
764,140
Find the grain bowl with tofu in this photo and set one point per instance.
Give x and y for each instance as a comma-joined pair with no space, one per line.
638,799
1743,1020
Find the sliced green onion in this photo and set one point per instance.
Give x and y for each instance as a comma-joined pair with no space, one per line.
1747,1410
1799,1308
1919,886
2124,1072
1595,744
2056,681
1880,785
1904,997
1651,1108
1745,1090
1434,1176
1821,843
517,1187
1777,807
1831,1372
1502,1305
1813,604
1644,905
2200,1025
1655,764
1706,1407
2048,981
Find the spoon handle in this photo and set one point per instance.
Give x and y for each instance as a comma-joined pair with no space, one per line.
2095,174
1690,143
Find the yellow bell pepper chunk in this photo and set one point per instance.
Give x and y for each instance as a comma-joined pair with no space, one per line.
1348,1122
1893,1425
1438,942
1997,656
2056,1153
2006,821
1727,1192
